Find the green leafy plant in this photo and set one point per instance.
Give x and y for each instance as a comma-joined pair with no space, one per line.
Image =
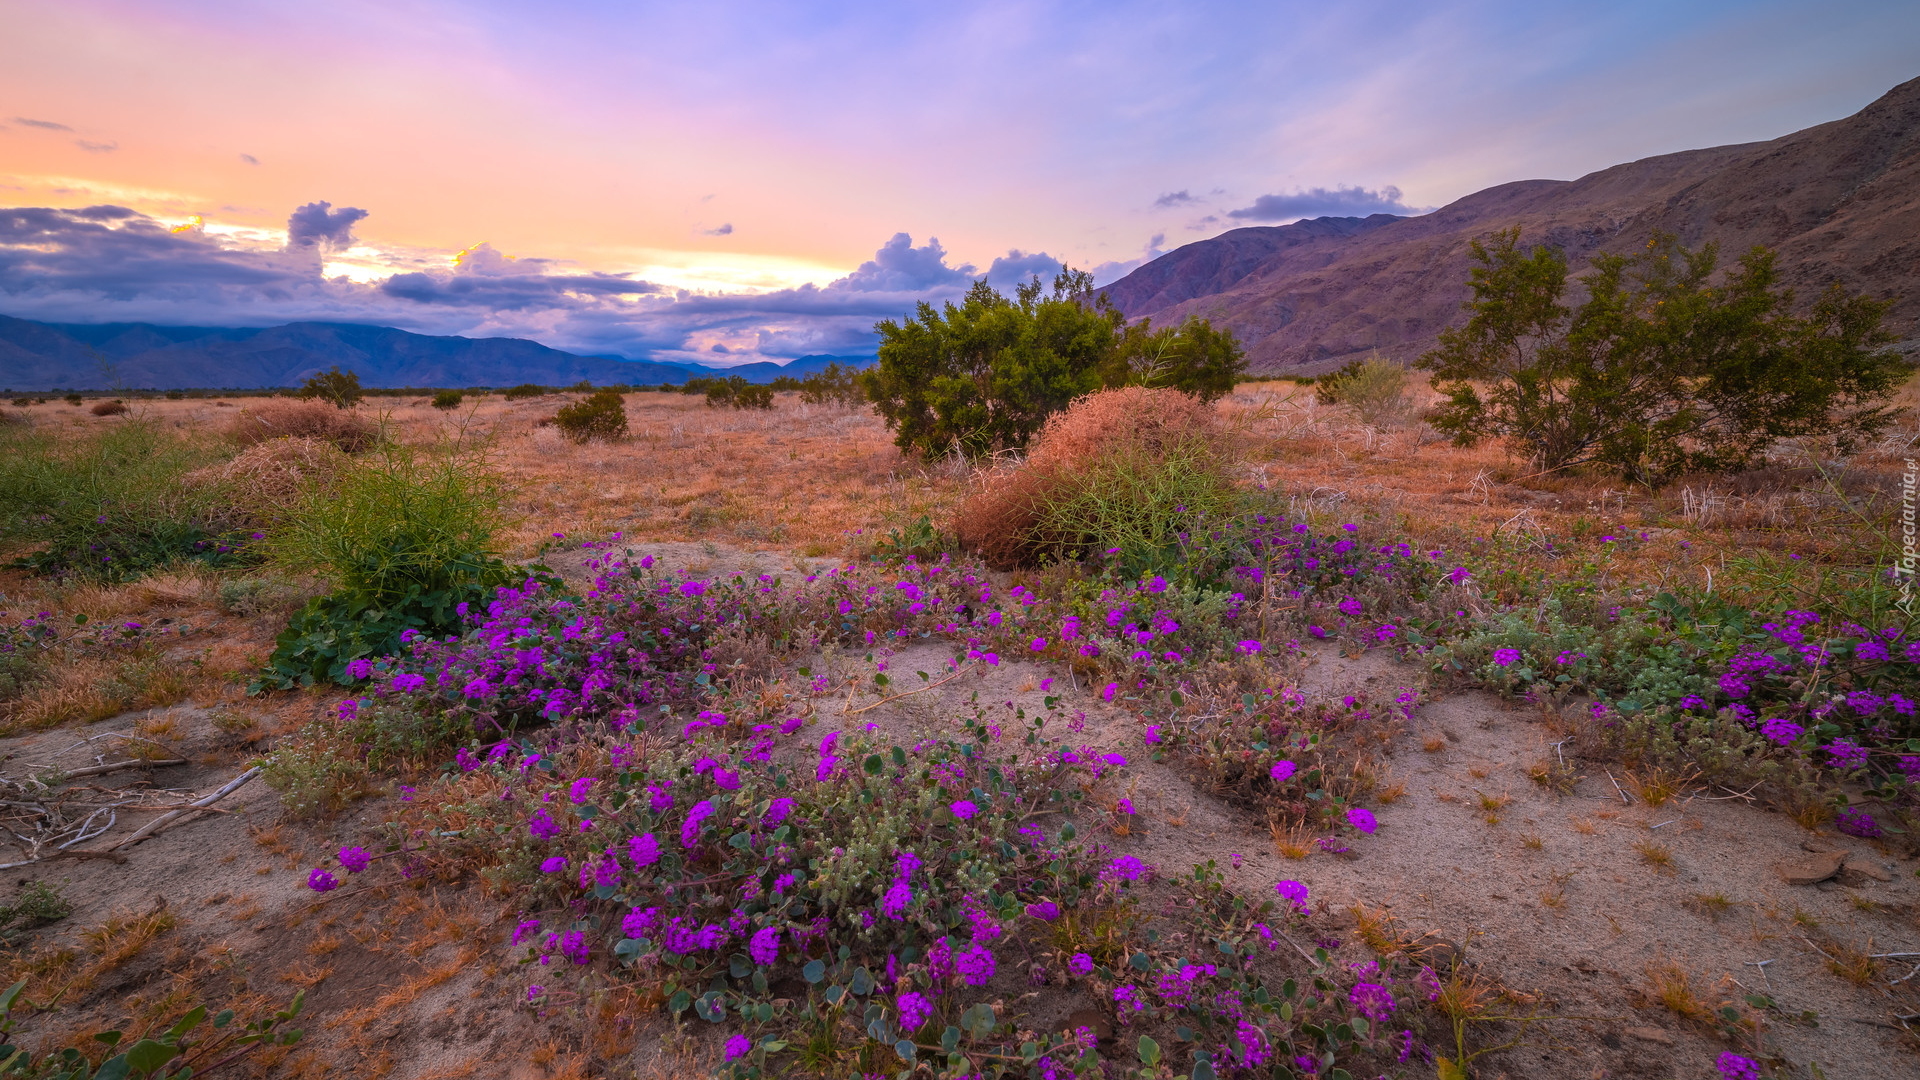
735,392
111,505
405,537
448,399
36,905
1660,371
341,389
1376,389
833,385
524,390
984,374
602,416
174,1054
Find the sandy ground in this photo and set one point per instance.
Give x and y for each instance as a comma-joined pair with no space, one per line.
1551,894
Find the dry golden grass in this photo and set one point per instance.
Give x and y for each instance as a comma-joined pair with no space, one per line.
1672,988
1376,930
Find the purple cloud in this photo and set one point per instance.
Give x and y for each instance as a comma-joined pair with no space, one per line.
318,224
1321,202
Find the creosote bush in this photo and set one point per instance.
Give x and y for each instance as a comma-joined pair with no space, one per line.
448,399
340,389
602,416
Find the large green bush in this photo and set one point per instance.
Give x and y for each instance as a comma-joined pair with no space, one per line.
984,374
1664,369
406,538
341,389
602,416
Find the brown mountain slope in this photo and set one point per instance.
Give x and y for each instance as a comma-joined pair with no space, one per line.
1841,202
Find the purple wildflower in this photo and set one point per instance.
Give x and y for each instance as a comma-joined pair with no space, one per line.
355,859
321,881
964,809
1362,819
1282,771
764,946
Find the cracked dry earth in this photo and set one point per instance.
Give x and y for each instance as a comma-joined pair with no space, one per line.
1574,900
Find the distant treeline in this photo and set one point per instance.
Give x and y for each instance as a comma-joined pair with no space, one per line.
833,383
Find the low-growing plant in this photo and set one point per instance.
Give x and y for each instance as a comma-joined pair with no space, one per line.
602,416
175,1053
1375,389
109,408
523,391
448,399
405,539
37,905
734,392
833,385
111,505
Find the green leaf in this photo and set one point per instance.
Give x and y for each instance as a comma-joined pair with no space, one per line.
873,764
679,1001
861,983
1448,1070
114,1068
148,1055
814,971
711,1007
1149,1051
978,1020
905,1049
1203,1068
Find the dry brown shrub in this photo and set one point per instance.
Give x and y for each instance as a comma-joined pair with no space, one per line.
266,480
108,408
347,430
1000,521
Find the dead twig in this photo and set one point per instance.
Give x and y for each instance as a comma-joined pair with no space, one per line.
154,826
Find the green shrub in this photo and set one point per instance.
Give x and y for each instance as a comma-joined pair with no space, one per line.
170,1054
737,393
1658,373
405,538
1376,389
448,399
111,505
37,905
985,374
74,399
524,390
602,416
341,389
833,385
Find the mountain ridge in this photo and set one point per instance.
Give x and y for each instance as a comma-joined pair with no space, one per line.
1839,202
37,356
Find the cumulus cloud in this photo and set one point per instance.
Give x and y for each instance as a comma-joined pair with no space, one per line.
112,264
1173,198
1322,202
1017,267
900,267
317,224
47,125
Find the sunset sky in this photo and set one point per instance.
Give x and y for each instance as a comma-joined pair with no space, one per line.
724,181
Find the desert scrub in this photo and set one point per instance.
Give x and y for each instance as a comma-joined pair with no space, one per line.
601,416
1301,763
838,902
404,536
320,770
37,905
1375,389
110,505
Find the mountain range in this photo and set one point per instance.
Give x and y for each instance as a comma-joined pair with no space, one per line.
1839,202
36,356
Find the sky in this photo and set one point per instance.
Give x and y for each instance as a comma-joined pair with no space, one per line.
726,182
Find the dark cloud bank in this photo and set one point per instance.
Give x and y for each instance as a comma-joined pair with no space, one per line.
111,265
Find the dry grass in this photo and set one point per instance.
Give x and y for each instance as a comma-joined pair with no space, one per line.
1292,842
1658,856
1376,930
1672,988
285,419
265,482
1655,786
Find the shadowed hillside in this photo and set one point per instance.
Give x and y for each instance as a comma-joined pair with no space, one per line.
1841,202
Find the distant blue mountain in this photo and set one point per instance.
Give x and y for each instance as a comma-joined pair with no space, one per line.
37,356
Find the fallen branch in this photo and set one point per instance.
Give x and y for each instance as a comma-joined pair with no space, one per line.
137,763
110,856
919,690
154,826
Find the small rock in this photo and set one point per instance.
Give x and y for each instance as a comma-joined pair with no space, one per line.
1820,843
1093,1020
1652,1035
1864,866
1813,869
